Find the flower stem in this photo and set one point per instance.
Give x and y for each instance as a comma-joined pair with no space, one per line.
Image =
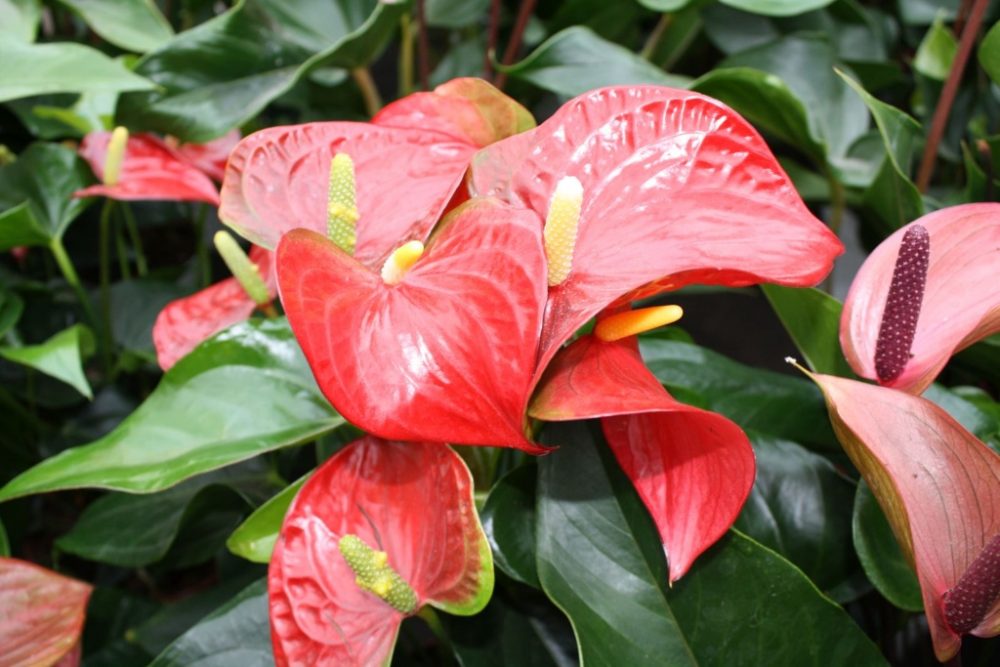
373,101
133,232
656,36
405,56
947,99
423,46
492,35
520,25
430,617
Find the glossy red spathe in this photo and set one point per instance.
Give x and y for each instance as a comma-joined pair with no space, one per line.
385,493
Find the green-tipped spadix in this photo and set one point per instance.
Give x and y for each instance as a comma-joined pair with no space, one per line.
115,155
560,228
342,208
374,574
242,268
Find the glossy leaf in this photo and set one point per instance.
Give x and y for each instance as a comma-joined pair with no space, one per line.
42,616
19,19
134,25
989,53
394,207
961,298
693,469
940,492
599,559
183,324
63,67
880,555
509,521
45,176
61,356
380,492
777,7
148,171
576,60
812,318
237,631
446,355
255,538
669,179
252,393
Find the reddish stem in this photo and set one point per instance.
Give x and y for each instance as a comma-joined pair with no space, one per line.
491,38
423,47
962,15
523,14
948,93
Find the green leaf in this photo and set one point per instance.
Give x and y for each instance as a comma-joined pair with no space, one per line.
454,13
989,53
61,356
235,634
777,7
812,318
134,25
600,560
893,197
246,391
880,555
576,60
64,67
217,76
19,20
11,307
44,177
509,522
4,542
133,531
143,300
973,418
800,507
936,52
665,6
781,405
255,537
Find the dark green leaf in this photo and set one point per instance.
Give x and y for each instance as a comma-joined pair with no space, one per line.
880,554
20,227
134,25
989,53
509,521
4,543
255,538
61,356
454,13
576,60
244,392
64,67
812,318
11,307
235,634
974,419
19,19
143,300
924,12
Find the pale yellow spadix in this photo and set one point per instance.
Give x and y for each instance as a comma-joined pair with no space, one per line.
115,155
400,261
634,322
373,573
342,208
245,271
560,228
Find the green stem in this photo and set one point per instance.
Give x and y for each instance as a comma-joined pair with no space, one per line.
201,248
430,617
656,36
405,56
69,273
104,261
373,101
838,203
133,232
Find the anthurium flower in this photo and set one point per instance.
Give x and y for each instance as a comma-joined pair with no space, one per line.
675,188
437,345
939,487
152,168
41,615
692,468
186,322
924,293
380,530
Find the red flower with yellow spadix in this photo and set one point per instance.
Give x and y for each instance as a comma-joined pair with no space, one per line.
143,166
186,322
360,551
926,292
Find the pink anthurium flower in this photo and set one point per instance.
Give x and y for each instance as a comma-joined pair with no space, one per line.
41,615
925,293
186,322
939,487
692,468
362,548
152,168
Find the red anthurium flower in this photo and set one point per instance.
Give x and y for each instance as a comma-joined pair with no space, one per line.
41,615
693,469
940,489
926,292
210,157
152,169
362,547
186,322
676,189
443,351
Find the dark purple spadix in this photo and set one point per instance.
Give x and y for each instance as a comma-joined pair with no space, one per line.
902,305
966,604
